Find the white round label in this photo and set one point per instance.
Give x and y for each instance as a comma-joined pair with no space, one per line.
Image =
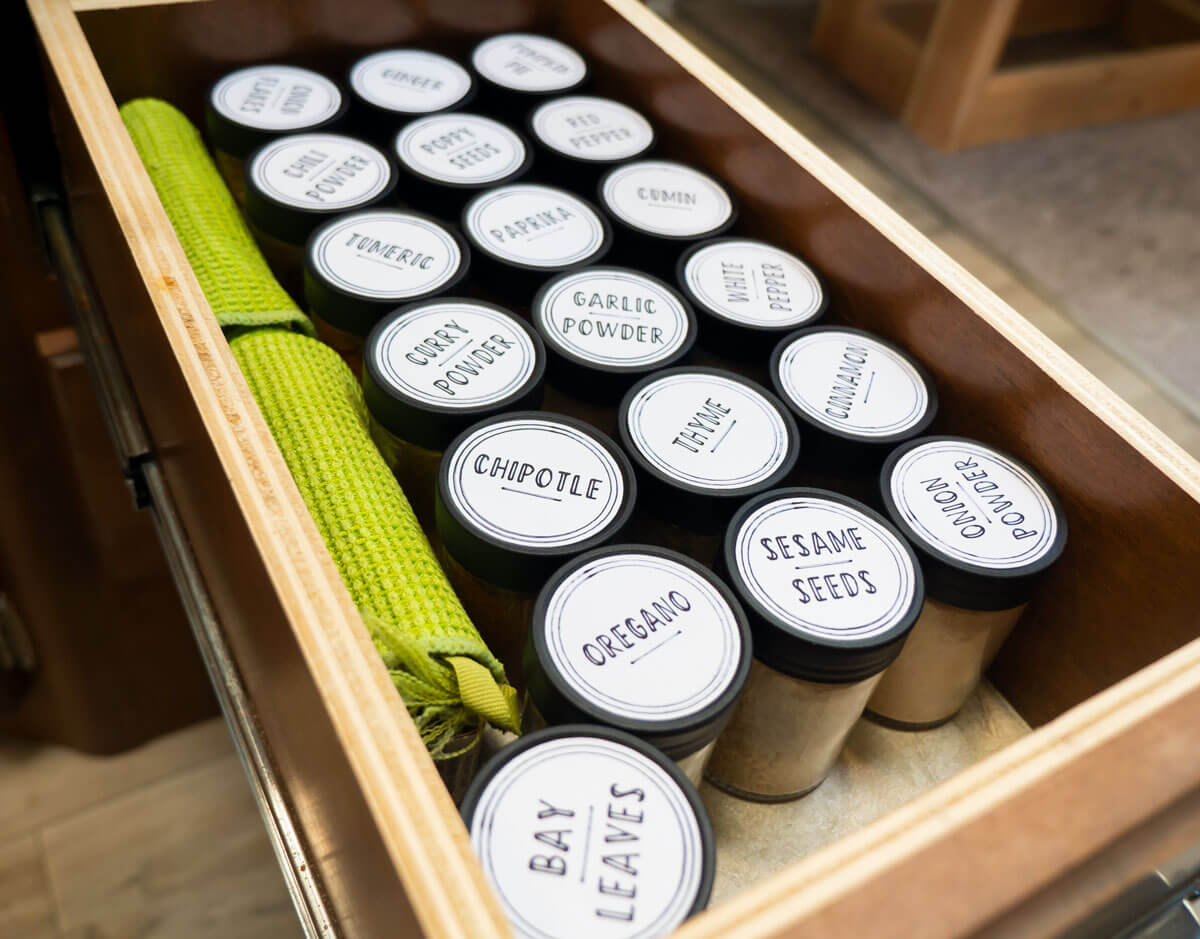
535,225
585,837
708,431
456,354
461,148
613,317
973,504
853,383
754,283
276,97
527,62
320,171
386,255
643,637
825,569
536,482
592,128
410,81
667,199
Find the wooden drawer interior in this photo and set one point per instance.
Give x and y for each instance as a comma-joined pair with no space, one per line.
387,840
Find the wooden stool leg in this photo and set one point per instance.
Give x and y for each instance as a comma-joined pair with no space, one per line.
878,57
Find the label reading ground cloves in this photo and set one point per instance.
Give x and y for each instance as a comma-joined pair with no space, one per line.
754,283
276,97
320,171
461,148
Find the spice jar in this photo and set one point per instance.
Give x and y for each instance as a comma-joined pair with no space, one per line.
658,207
642,639
857,397
525,233
295,183
702,441
518,495
391,87
584,831
253,106
987,528
831,591
361,265
579,137
434,368
604,328
448,159
516,71
748,296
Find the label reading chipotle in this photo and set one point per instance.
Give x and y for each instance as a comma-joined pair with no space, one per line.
276,97
754,283
320,171
410,81
535,225
460,148
590,128
667,199
526,62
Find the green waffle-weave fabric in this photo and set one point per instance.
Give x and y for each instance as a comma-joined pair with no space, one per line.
314,408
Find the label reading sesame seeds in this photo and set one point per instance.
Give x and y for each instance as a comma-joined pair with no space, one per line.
461,148
386,255
535,225
410,81
972,504
754,283
535,482
708,431
613,317
585,837
643,637
853,383
526,62
667,199
455,354
825,569
590,128
276,97
320,171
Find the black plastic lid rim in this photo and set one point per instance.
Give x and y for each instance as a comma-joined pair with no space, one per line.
653,237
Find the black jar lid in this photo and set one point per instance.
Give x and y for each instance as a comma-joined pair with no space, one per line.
651,835
253,106
537,229
703,440
464,152
667,201
359,266
528,66
642,639
605,327
296,182
521,492
985,525
854,390
749,294
434,368
593,131
396,84
831,588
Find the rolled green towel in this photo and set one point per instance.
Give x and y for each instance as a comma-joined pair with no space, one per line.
313,405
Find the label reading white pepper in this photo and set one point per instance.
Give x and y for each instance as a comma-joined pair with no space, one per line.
535,225
410,81
320,171
527,62
461,148
667,199
276,97
590,128
754,283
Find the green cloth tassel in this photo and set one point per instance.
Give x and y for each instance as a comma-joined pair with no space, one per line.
314,408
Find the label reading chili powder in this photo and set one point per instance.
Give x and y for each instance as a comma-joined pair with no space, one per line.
320,171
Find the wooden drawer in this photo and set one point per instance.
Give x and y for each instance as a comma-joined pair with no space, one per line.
1103,667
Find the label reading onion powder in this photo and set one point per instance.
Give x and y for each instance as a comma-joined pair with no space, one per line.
410,81
535,482
320,171
535,225
975,505
455,353
754,283
460,148
590,128
276,97
667,199
853,383
708,431
825,569
386,255
525,62
585,837
613,317
643,636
